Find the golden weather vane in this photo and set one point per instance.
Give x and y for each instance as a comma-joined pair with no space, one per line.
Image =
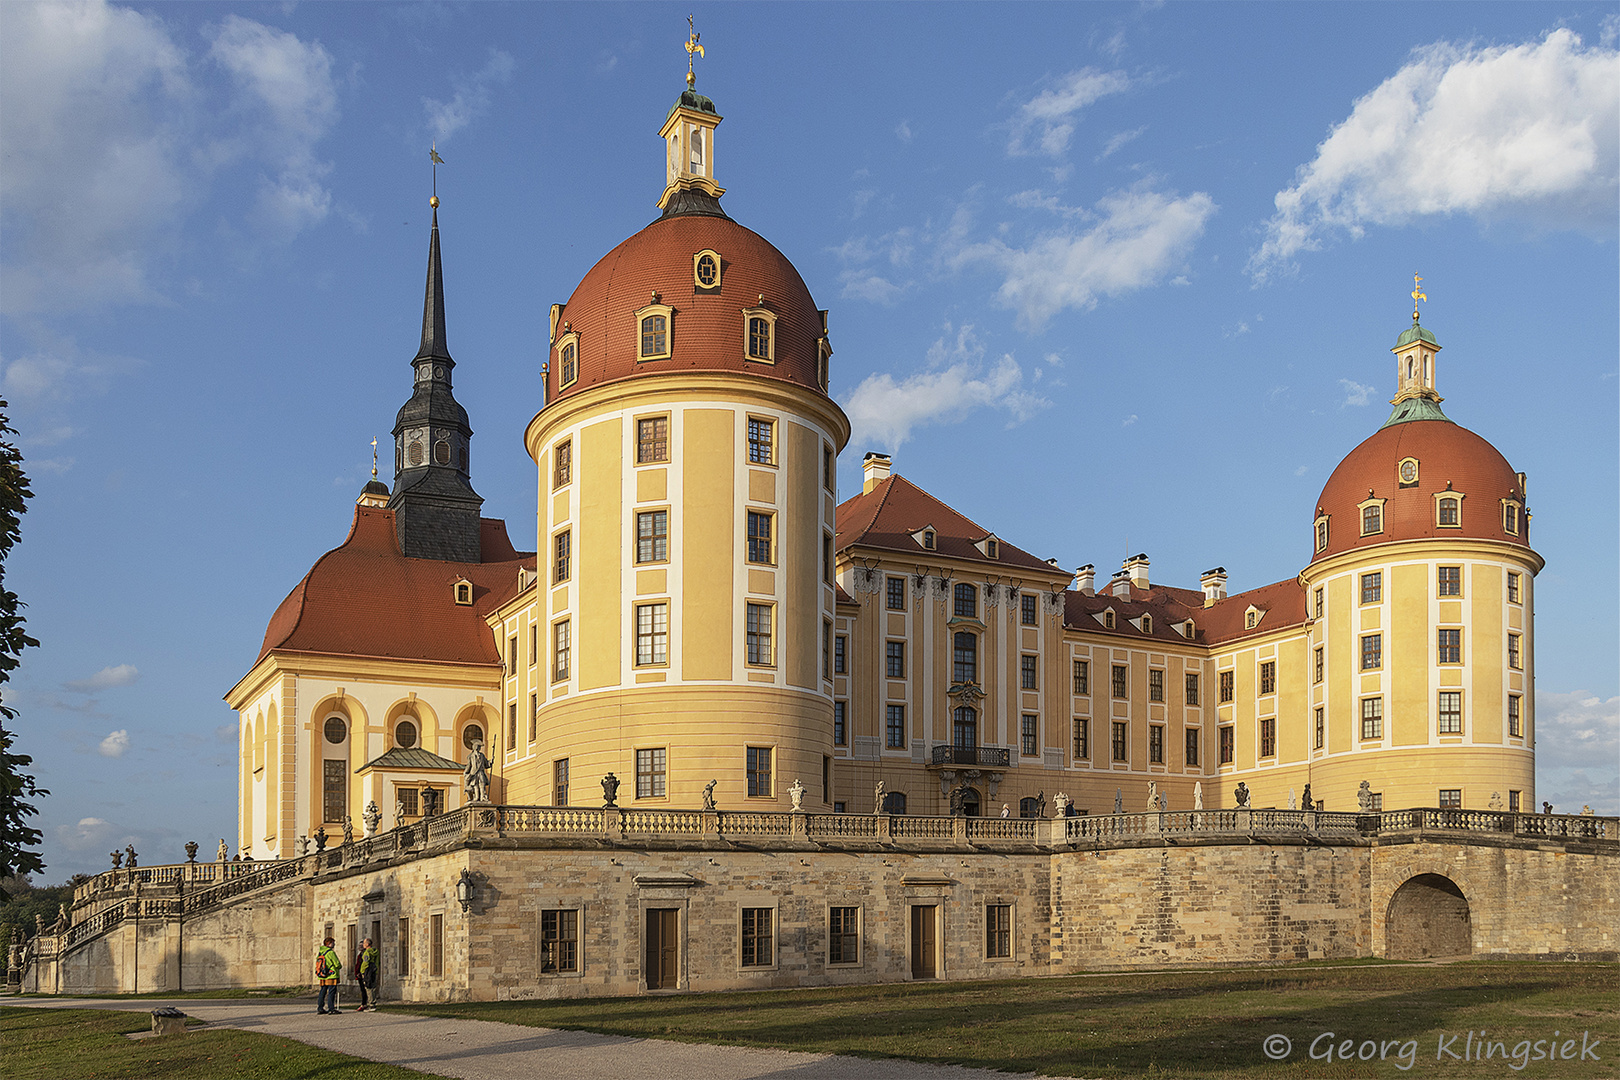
374,459
1417,294
433,156
693,49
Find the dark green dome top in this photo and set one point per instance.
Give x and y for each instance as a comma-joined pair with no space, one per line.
691,99
1415,333
1416,408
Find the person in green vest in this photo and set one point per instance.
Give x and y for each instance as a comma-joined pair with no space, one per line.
365,973
328,969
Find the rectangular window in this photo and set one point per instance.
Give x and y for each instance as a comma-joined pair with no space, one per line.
1451,720
894,660
406,797
757,948
827,559
1156,744
1319,603
652,536
1450,581
534,716
997,931
1192,688
840,723
1027,675
511,655
559,942
826,650
759,634
1515,660
895,588
1451,798
335,789
562,565
844,935
1372,520
1321,726
511,724
761,441
562,469
1027,605
1378,802
1268,677
759,771
1082,676
435,944
534,644
896,727
652,440
1026,735
1226,687
840,654
964,657
1155,684
1120,673
1514,799
1192,747
654,336
652,634
1082,740
1515,725
1119,741
1372,652
1372,587
562,650
559,782
650,773
1513,587
1321,665
1227,745
965,601
1372,718
1448,647
826,779
1268,737
759,538
402,949
828,470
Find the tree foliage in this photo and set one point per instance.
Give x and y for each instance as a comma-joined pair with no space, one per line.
19,841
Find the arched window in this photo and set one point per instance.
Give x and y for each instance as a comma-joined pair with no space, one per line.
1450,511
965,728
967,600
970,802
1322,535
697,151
965,656
894,802
1029,806
570,363
759,338
928,539
405,733
654,336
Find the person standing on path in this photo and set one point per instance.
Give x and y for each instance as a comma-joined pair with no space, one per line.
365,973
328,969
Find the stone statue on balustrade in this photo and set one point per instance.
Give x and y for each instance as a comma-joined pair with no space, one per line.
1119,800
610,791
796,793
1496,800
399,812
302,846
878,795
1060,804
708,794
1306,802
372,818
191,851
129,856
348,831
1364,799
224,852
1153,797
62,921
430,801
320,839
1241,794
117,858
1198,795
1040,803
477,774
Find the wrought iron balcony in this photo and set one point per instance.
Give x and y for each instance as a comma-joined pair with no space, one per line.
982,757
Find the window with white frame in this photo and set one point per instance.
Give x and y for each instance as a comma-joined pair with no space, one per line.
652,634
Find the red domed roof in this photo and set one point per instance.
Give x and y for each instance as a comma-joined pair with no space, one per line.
706,331
1447,456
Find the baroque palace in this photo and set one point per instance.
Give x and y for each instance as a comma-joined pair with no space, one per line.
721,731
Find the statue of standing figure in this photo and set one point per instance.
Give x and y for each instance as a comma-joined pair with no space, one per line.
1153,796
1364,799
303,846
224,853
1119,800
1306,802
1198,795
1291,804
878,795
708,794
118,859
348,831
477,773
129,856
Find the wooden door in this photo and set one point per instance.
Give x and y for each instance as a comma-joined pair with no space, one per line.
661,949
924,941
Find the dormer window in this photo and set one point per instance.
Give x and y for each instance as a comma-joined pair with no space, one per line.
567,359
1188,630
464,592
1321,533
759,335
926,539
1372,516
1108,618
653,330
1448,510
1510,517
1251,618
1147,624
706,271
989,547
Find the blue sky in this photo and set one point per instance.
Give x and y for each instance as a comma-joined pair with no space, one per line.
1108,278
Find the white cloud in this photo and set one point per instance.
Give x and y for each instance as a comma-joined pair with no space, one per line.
1129,420
105,679
865,285
883,411
57,370
1526,131
1139,238
87,834
1048,119
1120,140
1578,751
115,745
471,98
1355,393
1302,470
902,131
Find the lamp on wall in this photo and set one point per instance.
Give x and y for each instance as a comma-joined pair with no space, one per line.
464,889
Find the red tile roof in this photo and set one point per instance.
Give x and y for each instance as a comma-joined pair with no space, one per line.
1283,603
895,508
365,598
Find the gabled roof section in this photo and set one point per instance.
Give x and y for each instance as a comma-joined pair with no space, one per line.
366,598
1283,603
414,758
895,508
1169,607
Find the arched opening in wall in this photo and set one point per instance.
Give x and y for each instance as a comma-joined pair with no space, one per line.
1428,916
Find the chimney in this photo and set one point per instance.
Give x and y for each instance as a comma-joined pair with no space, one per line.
1121,585
1137,568
876,468
1214,583
1085,580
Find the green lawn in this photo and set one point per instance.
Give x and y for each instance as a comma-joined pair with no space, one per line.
89,1044
1207,1024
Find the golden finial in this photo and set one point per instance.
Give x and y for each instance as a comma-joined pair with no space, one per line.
374,459
1417,294
692,49
433,156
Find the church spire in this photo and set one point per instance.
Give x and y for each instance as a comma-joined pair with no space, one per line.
1416,352
434,346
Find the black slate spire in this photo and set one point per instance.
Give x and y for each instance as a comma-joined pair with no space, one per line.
435,507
